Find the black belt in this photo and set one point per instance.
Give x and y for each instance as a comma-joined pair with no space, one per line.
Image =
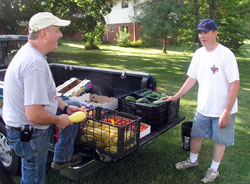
16,128
26,132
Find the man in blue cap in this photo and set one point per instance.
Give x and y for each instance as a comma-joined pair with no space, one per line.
215,69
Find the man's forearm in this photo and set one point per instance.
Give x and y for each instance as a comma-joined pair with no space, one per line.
38,115
61,104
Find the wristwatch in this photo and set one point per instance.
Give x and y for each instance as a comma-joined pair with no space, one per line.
65,109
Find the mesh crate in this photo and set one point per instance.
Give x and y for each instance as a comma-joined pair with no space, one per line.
153,114
127,106
110,132
150,114
173,110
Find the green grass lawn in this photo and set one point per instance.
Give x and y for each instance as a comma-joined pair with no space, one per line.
154,163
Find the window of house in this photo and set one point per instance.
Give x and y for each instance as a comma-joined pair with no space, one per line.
124,3
111,28
124,27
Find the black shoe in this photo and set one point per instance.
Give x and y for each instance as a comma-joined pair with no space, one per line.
76,159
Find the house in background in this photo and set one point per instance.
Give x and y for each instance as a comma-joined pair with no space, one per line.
121,15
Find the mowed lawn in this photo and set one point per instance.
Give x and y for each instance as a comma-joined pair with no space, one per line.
154,163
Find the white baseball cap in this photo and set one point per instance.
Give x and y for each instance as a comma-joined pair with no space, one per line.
43,20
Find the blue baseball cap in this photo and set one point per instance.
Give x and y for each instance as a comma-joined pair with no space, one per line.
207,25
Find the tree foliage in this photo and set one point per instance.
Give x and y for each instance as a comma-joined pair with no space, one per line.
159,21
231,16
86,15
9,14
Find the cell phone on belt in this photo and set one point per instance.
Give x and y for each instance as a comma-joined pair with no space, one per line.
26,133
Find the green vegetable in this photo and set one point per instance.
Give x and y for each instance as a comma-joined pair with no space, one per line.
130,98
146,92
153,95
163,95
156,95
158,102
143,100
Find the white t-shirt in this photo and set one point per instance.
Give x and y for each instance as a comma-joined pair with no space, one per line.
214,71
28,81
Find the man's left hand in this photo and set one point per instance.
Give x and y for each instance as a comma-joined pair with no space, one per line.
71,109
224,120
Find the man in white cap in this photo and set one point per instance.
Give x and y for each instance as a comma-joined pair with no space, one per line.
31,104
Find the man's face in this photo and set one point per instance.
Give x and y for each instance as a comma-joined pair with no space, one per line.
53,35
208,39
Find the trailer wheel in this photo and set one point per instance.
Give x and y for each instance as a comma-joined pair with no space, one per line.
10,161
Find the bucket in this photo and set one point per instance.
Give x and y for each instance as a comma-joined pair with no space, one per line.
186,135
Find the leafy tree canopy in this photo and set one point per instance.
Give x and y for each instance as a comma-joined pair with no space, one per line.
159,21
85,15
231,16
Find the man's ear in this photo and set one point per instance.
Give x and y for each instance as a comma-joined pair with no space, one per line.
43,33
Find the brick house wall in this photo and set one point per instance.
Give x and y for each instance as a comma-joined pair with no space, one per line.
122,16
111,34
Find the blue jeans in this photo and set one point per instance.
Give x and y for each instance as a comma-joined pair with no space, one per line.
34,153
64,148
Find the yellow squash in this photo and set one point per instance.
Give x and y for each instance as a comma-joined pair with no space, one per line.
77,117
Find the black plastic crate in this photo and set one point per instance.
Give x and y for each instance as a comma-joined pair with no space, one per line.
153,114
127,106
173,110
106,131
150,114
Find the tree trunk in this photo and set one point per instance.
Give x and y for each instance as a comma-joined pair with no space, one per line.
197,21
164,49
212,8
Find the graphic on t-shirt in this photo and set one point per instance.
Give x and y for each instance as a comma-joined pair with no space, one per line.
214,69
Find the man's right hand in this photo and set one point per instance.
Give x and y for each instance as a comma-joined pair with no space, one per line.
169,98
63,121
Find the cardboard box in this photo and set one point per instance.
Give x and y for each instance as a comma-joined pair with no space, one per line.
73,87
96,100
146,131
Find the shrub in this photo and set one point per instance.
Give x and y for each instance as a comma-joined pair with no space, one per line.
122,37
136,44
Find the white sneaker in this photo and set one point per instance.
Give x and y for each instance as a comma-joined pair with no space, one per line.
211,176
185,165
